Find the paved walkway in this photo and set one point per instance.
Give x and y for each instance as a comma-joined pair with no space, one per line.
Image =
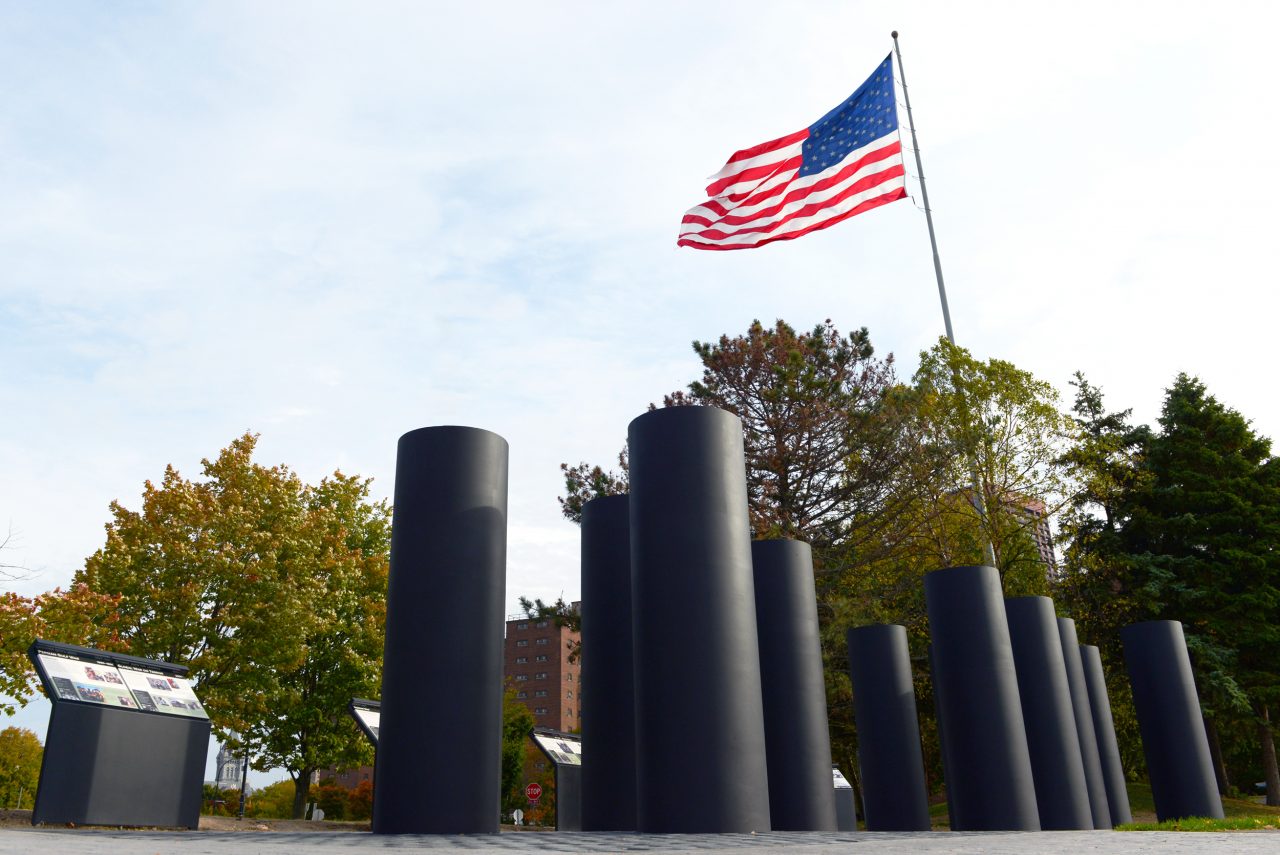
76,842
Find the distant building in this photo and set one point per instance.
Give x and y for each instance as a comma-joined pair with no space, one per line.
536,661
1034,511
230,769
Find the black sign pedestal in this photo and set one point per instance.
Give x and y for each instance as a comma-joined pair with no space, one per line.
108,765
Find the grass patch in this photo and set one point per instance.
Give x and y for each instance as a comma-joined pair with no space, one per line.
1241,815
1200,823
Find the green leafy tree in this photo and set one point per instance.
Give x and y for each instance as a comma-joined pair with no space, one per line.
274,801
272,591
20,757
1106,462
1003,425
517,722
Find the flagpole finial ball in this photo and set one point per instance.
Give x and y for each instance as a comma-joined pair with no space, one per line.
894,34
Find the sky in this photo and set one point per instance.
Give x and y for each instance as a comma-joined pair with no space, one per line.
331,223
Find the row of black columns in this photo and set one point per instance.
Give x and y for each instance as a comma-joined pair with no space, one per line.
704,704
1024,719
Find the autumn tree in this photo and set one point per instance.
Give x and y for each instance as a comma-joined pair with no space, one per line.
74,616
271,590
20,756
823,438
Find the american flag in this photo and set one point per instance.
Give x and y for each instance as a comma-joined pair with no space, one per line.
847,162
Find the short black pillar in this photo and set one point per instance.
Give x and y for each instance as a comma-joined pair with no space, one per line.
445,594
797,738
700,746
894,796
1084,724
608,686
1105,729
990,785
1169,716
1061,793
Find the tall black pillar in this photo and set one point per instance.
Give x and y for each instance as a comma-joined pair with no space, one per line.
700,746
989,779
1105,729
608,686
1084,724
884,709
1061,792
1168,708
797,738
442,662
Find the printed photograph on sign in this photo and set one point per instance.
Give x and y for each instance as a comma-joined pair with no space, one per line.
164,694
566,752
91,682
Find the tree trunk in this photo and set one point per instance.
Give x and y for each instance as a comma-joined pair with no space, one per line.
301,787
1269,758
1215,755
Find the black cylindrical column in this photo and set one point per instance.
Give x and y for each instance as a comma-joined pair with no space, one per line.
884,709
700,746
1105,729
608,687
1061,793
442,661
797,739
1168,708
1084,724
988,771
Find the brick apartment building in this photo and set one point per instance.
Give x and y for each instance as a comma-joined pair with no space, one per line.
536,657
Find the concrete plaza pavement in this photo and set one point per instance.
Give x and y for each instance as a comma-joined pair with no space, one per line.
39,841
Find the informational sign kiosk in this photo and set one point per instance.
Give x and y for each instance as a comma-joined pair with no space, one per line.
368,714
127,740
564,750
846,808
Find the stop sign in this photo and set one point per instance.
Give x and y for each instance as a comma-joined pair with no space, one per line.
533,791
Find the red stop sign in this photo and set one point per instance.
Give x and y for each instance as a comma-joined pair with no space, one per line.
533,791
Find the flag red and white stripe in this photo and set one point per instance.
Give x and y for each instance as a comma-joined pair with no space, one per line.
848,162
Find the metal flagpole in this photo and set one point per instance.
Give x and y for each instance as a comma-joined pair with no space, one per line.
924,193
979,502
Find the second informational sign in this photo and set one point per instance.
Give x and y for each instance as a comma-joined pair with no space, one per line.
97,680
564,749
839,780
368,715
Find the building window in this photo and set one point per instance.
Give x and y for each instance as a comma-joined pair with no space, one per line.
540,711
543,624
569,694
541,675
542,641
541,764
541,693
520,678
568,678
521,660
523,625
522,695
541,657
569,712
524,642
